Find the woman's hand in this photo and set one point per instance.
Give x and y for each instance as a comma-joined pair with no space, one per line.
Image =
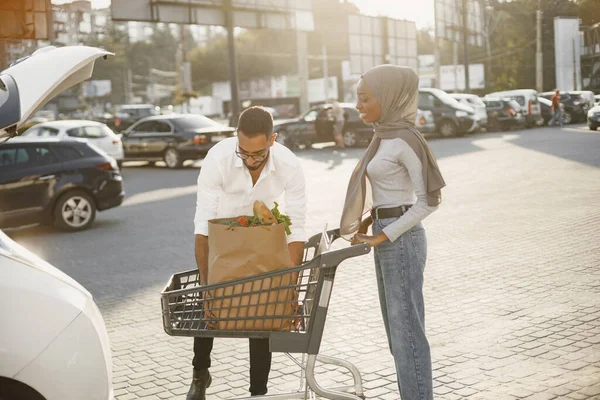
372,241
363,228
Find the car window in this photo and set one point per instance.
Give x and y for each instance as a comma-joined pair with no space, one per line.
42,156
311,115
94,132
87,132
492,103
42,131
161,127
147,126
67,153
352,114
426,101
519,99
514,104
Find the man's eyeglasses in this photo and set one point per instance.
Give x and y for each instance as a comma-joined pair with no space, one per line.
245,156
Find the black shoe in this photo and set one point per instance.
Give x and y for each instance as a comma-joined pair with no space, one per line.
200,382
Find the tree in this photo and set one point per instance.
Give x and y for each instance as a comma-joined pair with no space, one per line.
589,12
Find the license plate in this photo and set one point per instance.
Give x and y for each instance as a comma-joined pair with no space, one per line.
217,138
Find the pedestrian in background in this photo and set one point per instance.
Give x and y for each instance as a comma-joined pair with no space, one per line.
338,124
556,110
406,187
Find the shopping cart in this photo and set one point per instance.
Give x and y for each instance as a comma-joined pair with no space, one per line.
288,307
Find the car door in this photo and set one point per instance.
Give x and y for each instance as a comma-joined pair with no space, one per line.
427,101
158,140
28,175
135,139
324,125
306,129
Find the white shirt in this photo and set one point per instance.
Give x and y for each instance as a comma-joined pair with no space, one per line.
396,177
225,187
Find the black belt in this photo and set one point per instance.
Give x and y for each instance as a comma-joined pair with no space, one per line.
395,212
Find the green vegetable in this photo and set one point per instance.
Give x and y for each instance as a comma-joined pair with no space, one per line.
282,218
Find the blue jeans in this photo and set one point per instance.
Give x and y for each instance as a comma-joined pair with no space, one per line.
556,117
399,268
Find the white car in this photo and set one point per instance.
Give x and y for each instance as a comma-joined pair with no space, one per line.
97,133
528,101
476,103
53,341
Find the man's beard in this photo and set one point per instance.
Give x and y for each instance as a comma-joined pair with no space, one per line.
256,166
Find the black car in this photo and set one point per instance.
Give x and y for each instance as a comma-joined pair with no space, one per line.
503,114
593,118
574,108
59,182
173,138
316,126
451,117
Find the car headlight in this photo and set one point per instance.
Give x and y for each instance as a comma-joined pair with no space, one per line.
462,114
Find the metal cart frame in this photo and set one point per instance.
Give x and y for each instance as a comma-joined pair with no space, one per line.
301,295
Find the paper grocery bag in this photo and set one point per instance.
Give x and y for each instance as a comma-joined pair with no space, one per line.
241,252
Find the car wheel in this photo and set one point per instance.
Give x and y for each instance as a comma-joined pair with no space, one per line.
120,164
350,139
173,158
74,211
593,128
567,118
448,129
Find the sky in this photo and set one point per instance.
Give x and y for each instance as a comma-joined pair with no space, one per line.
421,13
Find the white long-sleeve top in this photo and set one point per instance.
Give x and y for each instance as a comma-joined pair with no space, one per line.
225,187
396,176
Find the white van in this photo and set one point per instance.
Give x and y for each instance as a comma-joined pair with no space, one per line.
528,101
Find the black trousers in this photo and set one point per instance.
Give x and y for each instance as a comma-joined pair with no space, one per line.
260,361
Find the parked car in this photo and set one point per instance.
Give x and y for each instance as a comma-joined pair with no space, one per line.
53,342
528,103
503,114
97,133
316,126
59,182
172,138
593,118
587,96
597,99
425,122
574,107
476,103
451,117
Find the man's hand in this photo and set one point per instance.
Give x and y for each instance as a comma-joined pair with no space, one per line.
202,258
296,250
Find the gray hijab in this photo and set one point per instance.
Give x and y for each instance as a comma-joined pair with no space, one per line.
396,88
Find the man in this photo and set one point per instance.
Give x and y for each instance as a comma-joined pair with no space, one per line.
556,110
234,174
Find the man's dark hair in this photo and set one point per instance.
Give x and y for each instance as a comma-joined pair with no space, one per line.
256,121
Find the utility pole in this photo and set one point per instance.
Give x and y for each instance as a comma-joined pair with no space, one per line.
233,70
325,70
575,85
539,55
302,59
465,26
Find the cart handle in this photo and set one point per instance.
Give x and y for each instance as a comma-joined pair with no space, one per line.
313,241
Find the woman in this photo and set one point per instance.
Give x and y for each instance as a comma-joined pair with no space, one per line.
406,187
